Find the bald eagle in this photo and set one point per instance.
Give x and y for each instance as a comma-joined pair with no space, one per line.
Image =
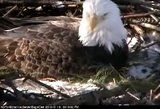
67,44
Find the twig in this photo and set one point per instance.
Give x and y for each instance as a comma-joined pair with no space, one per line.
92,98
133,96
116,71
151,95
149,45
36,2
17,93
11,10
150,26
157,97
146,25
137,15
154,17
139,2
137,29
6,94
157,90
139,48
48,87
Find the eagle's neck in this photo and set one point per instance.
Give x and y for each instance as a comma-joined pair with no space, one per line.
98,55
103,39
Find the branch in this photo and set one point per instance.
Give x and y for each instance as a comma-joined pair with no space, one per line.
35,2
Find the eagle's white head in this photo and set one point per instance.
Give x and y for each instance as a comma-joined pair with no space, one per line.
101,24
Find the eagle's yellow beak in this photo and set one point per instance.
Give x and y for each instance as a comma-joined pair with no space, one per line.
93,21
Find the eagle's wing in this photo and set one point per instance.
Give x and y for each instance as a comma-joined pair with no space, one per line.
41,50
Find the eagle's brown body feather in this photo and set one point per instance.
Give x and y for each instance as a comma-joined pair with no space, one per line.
51,48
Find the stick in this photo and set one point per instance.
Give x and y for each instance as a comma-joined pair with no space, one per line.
11,10
36,2
137,15
48,87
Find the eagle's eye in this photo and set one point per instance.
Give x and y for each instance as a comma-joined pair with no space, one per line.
103,17
105,14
